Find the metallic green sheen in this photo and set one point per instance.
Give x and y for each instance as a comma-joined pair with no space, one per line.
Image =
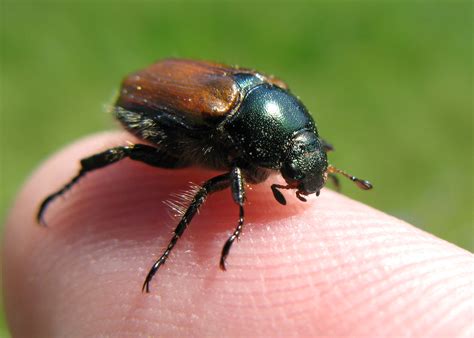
265,123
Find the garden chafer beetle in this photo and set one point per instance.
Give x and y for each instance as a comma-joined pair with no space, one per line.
239,121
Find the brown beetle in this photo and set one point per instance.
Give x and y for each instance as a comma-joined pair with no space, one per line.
236,120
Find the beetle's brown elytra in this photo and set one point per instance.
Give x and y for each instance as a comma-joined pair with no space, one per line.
239,121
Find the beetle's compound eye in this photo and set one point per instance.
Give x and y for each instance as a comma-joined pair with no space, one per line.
291,171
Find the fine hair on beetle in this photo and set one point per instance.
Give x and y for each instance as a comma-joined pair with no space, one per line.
241,122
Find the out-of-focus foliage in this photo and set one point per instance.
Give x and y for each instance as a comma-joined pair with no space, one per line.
390,84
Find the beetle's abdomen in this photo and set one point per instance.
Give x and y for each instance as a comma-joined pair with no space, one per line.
265,122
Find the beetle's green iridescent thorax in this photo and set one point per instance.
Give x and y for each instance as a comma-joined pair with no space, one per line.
274,129
266,121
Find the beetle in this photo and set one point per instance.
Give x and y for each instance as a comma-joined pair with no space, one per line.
235,120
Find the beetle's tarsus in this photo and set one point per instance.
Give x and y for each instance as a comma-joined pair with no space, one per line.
41,210
226,249
277,193
230,241
137,152
53,196
151,273
238,194
146,287
210,186
222,263
300,196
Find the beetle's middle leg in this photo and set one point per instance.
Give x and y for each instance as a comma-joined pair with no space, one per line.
238,194
214,184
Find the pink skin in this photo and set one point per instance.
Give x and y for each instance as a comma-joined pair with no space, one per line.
331,266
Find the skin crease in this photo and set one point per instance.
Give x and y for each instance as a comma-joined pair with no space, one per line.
331,266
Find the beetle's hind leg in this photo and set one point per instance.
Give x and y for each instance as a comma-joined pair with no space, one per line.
238,194
137,152
214,184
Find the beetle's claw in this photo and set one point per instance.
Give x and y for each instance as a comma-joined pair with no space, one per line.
277,194
42,209
300,196
40,220
146,285
222,264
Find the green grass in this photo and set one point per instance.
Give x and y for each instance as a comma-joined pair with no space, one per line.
389,83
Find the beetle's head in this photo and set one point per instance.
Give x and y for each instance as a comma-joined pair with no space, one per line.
305,165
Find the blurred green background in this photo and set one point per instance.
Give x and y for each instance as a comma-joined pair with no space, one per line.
389,83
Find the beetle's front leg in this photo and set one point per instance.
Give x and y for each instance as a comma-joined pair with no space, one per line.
238,194
335,181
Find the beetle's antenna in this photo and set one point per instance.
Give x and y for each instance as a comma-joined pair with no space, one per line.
362,184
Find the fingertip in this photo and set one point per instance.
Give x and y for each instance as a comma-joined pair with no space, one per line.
328,266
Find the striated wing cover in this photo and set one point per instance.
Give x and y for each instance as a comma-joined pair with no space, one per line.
196,90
